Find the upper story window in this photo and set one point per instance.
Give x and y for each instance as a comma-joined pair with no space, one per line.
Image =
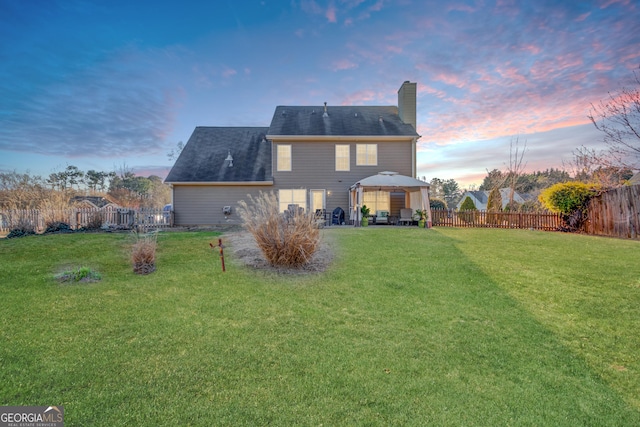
283,159
342,157
366,154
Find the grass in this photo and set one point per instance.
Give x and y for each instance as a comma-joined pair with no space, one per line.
409,327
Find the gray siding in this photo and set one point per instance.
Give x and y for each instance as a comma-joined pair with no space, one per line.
202,204
313,167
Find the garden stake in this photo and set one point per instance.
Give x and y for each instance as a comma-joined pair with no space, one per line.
221,252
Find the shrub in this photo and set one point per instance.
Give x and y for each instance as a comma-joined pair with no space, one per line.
468,205
58,227
494,205
531,206
569,199
468,210
80,274
143,253
95,221
20,228
285,240
513,207
437,204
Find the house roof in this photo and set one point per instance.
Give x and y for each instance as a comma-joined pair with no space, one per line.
339,121
204,157
481,196
96,201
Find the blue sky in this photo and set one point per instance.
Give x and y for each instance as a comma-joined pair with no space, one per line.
102,85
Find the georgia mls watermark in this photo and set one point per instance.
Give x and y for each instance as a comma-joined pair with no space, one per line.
31,416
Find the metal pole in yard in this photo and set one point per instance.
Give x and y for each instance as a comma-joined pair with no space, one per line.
219,245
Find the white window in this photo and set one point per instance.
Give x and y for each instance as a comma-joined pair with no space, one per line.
366,154
283,158
292,197
342,157
376,201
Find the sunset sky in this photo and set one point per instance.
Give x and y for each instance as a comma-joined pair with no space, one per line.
102,85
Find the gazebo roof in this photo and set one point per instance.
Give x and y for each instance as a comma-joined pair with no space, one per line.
389,181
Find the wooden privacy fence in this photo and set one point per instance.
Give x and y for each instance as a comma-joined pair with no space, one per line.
92,218
537,221
615,213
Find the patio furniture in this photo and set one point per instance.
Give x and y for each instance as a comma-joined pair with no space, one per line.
382,217
337,217
406,217
321,218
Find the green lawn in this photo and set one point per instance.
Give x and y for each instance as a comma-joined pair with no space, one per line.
407,327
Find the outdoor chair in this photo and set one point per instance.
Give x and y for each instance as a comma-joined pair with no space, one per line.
382,217
406,217
321,218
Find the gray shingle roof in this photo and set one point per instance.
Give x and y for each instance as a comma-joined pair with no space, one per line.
341,120
481,196
203,157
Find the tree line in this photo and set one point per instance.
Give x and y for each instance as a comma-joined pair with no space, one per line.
123,188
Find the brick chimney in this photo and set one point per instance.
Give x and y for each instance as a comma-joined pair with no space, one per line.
407,103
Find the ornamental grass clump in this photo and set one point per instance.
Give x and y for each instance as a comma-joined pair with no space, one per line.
143,253
80,274
286,239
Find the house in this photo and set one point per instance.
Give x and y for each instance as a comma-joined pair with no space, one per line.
481,198
93,202
309,156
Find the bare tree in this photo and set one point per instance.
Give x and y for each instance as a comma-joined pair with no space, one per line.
516,166
591,166
584,162
618,118
175,151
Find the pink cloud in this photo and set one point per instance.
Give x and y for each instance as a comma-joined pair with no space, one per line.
492,119
532,49
461,8
363,53
229,72
631,56
310,6
515,106
583,17
514,75
377,7
393,49
343,64
330,14
578,77
450,79
568,61
607,3
602,67
426,89
360,97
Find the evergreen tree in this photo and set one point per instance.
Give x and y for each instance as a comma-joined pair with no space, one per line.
468,205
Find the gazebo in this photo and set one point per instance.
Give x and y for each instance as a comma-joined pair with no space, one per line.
416,192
